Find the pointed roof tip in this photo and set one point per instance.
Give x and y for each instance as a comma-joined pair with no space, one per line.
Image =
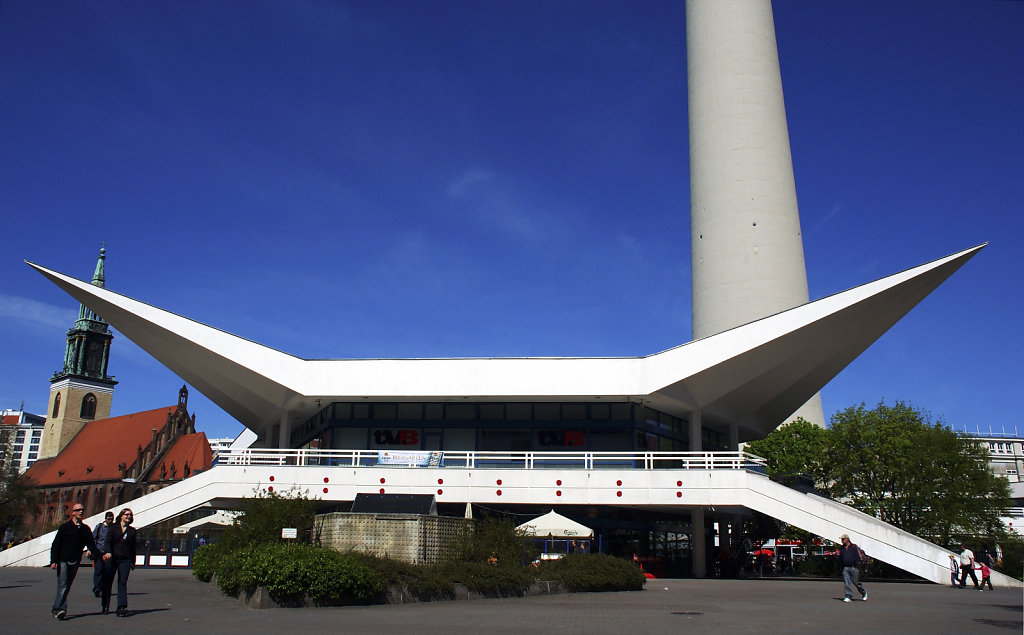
98,276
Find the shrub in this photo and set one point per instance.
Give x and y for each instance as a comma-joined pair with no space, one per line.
491,539
596,572
289,572
265,514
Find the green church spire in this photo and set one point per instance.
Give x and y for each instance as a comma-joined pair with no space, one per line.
88,347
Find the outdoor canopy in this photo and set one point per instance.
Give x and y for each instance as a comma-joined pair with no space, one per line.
555,525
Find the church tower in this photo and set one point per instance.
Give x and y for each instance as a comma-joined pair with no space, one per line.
82,391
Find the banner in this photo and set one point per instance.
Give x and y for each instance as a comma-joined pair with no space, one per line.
413,459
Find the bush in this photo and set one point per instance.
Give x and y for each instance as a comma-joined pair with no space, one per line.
265,514
290,573
493,539
593,573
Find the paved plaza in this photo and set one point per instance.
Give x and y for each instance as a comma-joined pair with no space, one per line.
172,601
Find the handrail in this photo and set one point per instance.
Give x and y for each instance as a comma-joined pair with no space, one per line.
504,460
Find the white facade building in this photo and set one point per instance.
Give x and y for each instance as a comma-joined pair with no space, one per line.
26,434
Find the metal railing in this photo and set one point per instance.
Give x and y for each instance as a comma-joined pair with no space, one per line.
503,460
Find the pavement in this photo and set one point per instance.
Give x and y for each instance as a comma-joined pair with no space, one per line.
172,601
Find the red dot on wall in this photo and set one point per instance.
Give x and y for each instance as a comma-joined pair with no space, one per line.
271,479
326,479
440,481
382,480
499,492
499,481
679,494
325,490
558,493
270,489
618,483
558,482
679,483
618,493
440,491
382,490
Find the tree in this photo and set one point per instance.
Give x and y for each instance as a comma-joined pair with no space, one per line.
797,447
894,463
17,492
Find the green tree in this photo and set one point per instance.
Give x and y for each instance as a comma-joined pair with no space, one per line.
794,448
894,463
17,492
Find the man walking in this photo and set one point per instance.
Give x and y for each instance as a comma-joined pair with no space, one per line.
66,556
850,557
99,535
967,567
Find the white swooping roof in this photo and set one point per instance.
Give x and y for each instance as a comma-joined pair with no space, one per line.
754,375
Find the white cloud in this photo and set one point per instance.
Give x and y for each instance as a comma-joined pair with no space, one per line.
36,314
461,186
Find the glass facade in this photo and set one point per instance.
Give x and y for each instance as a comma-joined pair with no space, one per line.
497,426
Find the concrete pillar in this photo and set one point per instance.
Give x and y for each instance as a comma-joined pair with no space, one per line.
734,437
747,257
696,438
285,431
698,542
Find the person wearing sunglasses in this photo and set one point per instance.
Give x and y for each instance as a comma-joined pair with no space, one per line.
121,547
66,555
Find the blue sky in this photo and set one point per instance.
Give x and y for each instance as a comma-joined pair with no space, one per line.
424,179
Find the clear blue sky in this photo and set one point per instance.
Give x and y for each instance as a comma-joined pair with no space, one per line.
424,179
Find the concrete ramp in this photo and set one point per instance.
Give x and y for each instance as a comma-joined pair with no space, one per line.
728,485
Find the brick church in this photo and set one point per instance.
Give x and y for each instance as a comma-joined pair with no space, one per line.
104,462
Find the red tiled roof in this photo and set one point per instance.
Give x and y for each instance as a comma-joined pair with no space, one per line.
94,453
193,449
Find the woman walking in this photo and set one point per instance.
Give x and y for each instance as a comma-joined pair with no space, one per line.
121,546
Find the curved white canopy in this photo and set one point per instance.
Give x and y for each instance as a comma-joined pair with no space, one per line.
754,375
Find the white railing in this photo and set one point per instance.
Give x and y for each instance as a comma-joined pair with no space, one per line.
505,460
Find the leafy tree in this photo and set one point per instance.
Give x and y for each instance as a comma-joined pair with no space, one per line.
894,463
17,492
797,447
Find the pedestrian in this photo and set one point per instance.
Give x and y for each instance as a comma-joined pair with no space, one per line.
66,555
986,577
967,567
954,570
851,557
121,549
100,535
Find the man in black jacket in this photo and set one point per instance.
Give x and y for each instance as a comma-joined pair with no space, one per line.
66,556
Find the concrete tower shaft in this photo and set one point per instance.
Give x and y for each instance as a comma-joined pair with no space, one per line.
747,256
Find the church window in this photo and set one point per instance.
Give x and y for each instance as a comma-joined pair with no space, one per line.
56,406
88,407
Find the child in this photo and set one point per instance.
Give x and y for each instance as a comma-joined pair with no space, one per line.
954,570
985,577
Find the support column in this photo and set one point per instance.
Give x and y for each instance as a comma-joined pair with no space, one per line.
696,438
698,542
734,437
285,431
